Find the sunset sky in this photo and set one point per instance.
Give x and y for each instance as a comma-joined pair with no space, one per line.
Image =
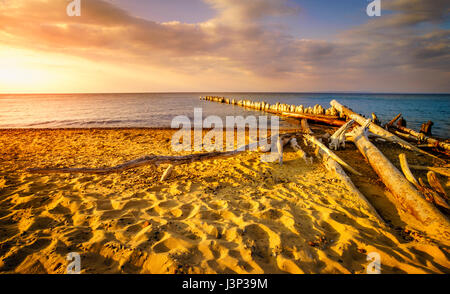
224,45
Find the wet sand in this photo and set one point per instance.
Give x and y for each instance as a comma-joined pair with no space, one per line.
232,215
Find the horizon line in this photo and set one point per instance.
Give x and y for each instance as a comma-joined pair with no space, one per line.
235,92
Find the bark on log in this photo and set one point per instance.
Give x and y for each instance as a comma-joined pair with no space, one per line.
378,130
408,197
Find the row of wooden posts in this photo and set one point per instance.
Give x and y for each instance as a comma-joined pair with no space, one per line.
276,108
333,117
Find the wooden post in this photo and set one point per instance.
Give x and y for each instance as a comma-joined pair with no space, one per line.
389,124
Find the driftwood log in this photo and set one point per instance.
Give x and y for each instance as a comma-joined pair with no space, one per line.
330,153
406,136
155,160
407,196
423,138
337,140
142,161
378,130
333,121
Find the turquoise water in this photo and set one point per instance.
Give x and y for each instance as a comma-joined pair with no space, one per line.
158,109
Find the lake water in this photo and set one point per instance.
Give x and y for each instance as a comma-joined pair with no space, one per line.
158,109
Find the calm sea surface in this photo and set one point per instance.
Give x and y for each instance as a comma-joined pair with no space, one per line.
158,110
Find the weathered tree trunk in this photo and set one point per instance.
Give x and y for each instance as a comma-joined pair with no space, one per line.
155,160
408,197
423,138
378,130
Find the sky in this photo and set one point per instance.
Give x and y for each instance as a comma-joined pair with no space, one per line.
224,45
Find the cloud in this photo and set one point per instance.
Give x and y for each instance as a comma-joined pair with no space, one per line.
247,12
243,43
415,11
396,41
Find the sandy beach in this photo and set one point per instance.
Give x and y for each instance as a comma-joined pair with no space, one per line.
231,215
